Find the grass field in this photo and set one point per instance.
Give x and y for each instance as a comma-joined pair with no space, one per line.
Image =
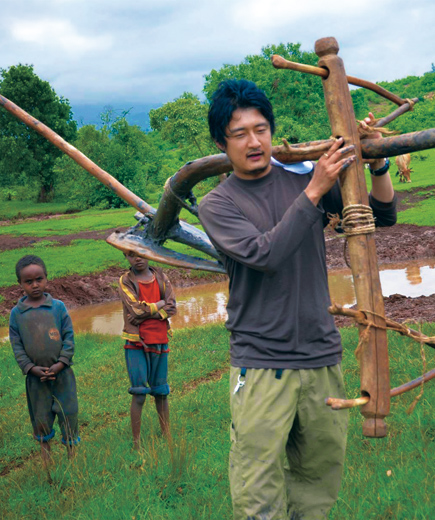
15,209
67,224
423,165
80,257
188,478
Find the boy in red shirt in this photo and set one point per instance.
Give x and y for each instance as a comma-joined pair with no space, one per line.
148,301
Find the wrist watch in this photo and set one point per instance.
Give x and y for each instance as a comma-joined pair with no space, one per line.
381,171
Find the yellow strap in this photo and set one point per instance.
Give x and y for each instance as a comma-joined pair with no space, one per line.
127,291
130,337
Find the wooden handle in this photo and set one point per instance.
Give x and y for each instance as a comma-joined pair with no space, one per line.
281,63
375,382
81,159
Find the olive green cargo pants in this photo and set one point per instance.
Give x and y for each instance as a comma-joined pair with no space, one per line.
287,446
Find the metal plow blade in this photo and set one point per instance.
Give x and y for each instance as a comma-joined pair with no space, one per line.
148,249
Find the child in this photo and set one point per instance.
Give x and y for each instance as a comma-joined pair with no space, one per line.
42,339
148,301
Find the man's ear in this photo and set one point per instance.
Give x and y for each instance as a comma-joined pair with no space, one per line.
220,146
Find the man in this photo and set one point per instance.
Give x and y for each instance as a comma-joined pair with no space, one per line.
288,447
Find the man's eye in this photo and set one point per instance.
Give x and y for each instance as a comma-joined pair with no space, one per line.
239,136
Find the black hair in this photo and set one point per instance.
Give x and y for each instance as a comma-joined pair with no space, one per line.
230,95
26,261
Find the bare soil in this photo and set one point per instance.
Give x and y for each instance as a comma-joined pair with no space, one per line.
396,244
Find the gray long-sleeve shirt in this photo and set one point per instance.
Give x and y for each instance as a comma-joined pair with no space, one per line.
272,242
41,335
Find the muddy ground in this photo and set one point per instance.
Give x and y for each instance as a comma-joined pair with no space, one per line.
396,244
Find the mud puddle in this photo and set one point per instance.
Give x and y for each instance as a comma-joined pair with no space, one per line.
206,303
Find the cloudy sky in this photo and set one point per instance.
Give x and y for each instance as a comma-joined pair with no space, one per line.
151,51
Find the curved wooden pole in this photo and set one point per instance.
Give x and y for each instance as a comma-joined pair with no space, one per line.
412,384
341,404
281,63
81,159
396,113
375,381
361,318
164,224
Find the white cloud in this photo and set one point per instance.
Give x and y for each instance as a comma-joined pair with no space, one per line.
152,51
257,15
57,34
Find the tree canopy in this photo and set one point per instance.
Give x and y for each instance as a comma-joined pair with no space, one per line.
23,152
122,150
183,122
143,161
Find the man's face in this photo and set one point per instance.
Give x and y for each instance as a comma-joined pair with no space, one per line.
249,143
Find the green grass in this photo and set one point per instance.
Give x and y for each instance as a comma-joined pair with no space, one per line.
423,174
94,220
422,214
91,220
13,209
80,257
188,480
108,480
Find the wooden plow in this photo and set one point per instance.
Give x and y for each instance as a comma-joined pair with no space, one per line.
155,227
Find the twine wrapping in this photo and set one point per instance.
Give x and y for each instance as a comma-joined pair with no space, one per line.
358,220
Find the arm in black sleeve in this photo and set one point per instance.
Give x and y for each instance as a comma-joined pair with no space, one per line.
385,213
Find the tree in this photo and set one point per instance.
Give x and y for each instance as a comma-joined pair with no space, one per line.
23,152
124,151
183,123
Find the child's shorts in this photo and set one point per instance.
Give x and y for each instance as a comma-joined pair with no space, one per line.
50,398
148,372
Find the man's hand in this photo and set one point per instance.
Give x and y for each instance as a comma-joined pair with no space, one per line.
40,372
54,370
326,172
382,187
367,122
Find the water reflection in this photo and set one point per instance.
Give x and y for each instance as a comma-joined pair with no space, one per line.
206,303
195,306
413,275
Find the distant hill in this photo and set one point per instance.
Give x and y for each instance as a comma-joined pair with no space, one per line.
91,114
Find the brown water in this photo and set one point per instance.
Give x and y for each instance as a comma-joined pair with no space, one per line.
206,303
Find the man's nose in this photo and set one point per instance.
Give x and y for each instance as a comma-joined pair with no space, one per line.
253,140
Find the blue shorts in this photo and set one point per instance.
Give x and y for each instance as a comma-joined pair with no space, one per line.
148,372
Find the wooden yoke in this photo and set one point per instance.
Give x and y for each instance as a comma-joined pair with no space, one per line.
375,380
